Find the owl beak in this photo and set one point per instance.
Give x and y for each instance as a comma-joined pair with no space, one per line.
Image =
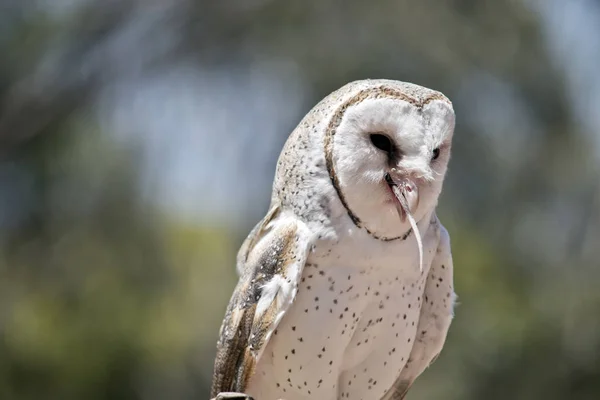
406,192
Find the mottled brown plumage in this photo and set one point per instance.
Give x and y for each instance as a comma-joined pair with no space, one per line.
244,332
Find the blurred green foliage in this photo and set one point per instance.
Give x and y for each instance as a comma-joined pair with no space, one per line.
105,294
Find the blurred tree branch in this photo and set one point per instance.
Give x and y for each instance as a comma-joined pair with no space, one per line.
63,80
79,54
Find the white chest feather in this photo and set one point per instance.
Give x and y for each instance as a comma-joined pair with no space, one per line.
351,328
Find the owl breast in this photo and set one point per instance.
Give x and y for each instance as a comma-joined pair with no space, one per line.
348,334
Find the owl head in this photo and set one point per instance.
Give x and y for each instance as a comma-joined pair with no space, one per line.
382,145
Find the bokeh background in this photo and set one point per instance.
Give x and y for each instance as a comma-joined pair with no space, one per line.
138,142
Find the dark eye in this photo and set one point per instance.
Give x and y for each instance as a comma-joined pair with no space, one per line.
436,153
382,142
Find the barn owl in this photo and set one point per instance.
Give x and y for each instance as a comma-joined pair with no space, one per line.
345,287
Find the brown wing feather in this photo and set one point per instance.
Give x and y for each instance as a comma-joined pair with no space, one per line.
255,234
278,251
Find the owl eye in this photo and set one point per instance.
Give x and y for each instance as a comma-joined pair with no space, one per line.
436,153
382,142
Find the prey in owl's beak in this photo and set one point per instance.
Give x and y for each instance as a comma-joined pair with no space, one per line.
407,195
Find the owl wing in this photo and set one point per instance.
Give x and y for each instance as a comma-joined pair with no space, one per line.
436,315
270,271
253,236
